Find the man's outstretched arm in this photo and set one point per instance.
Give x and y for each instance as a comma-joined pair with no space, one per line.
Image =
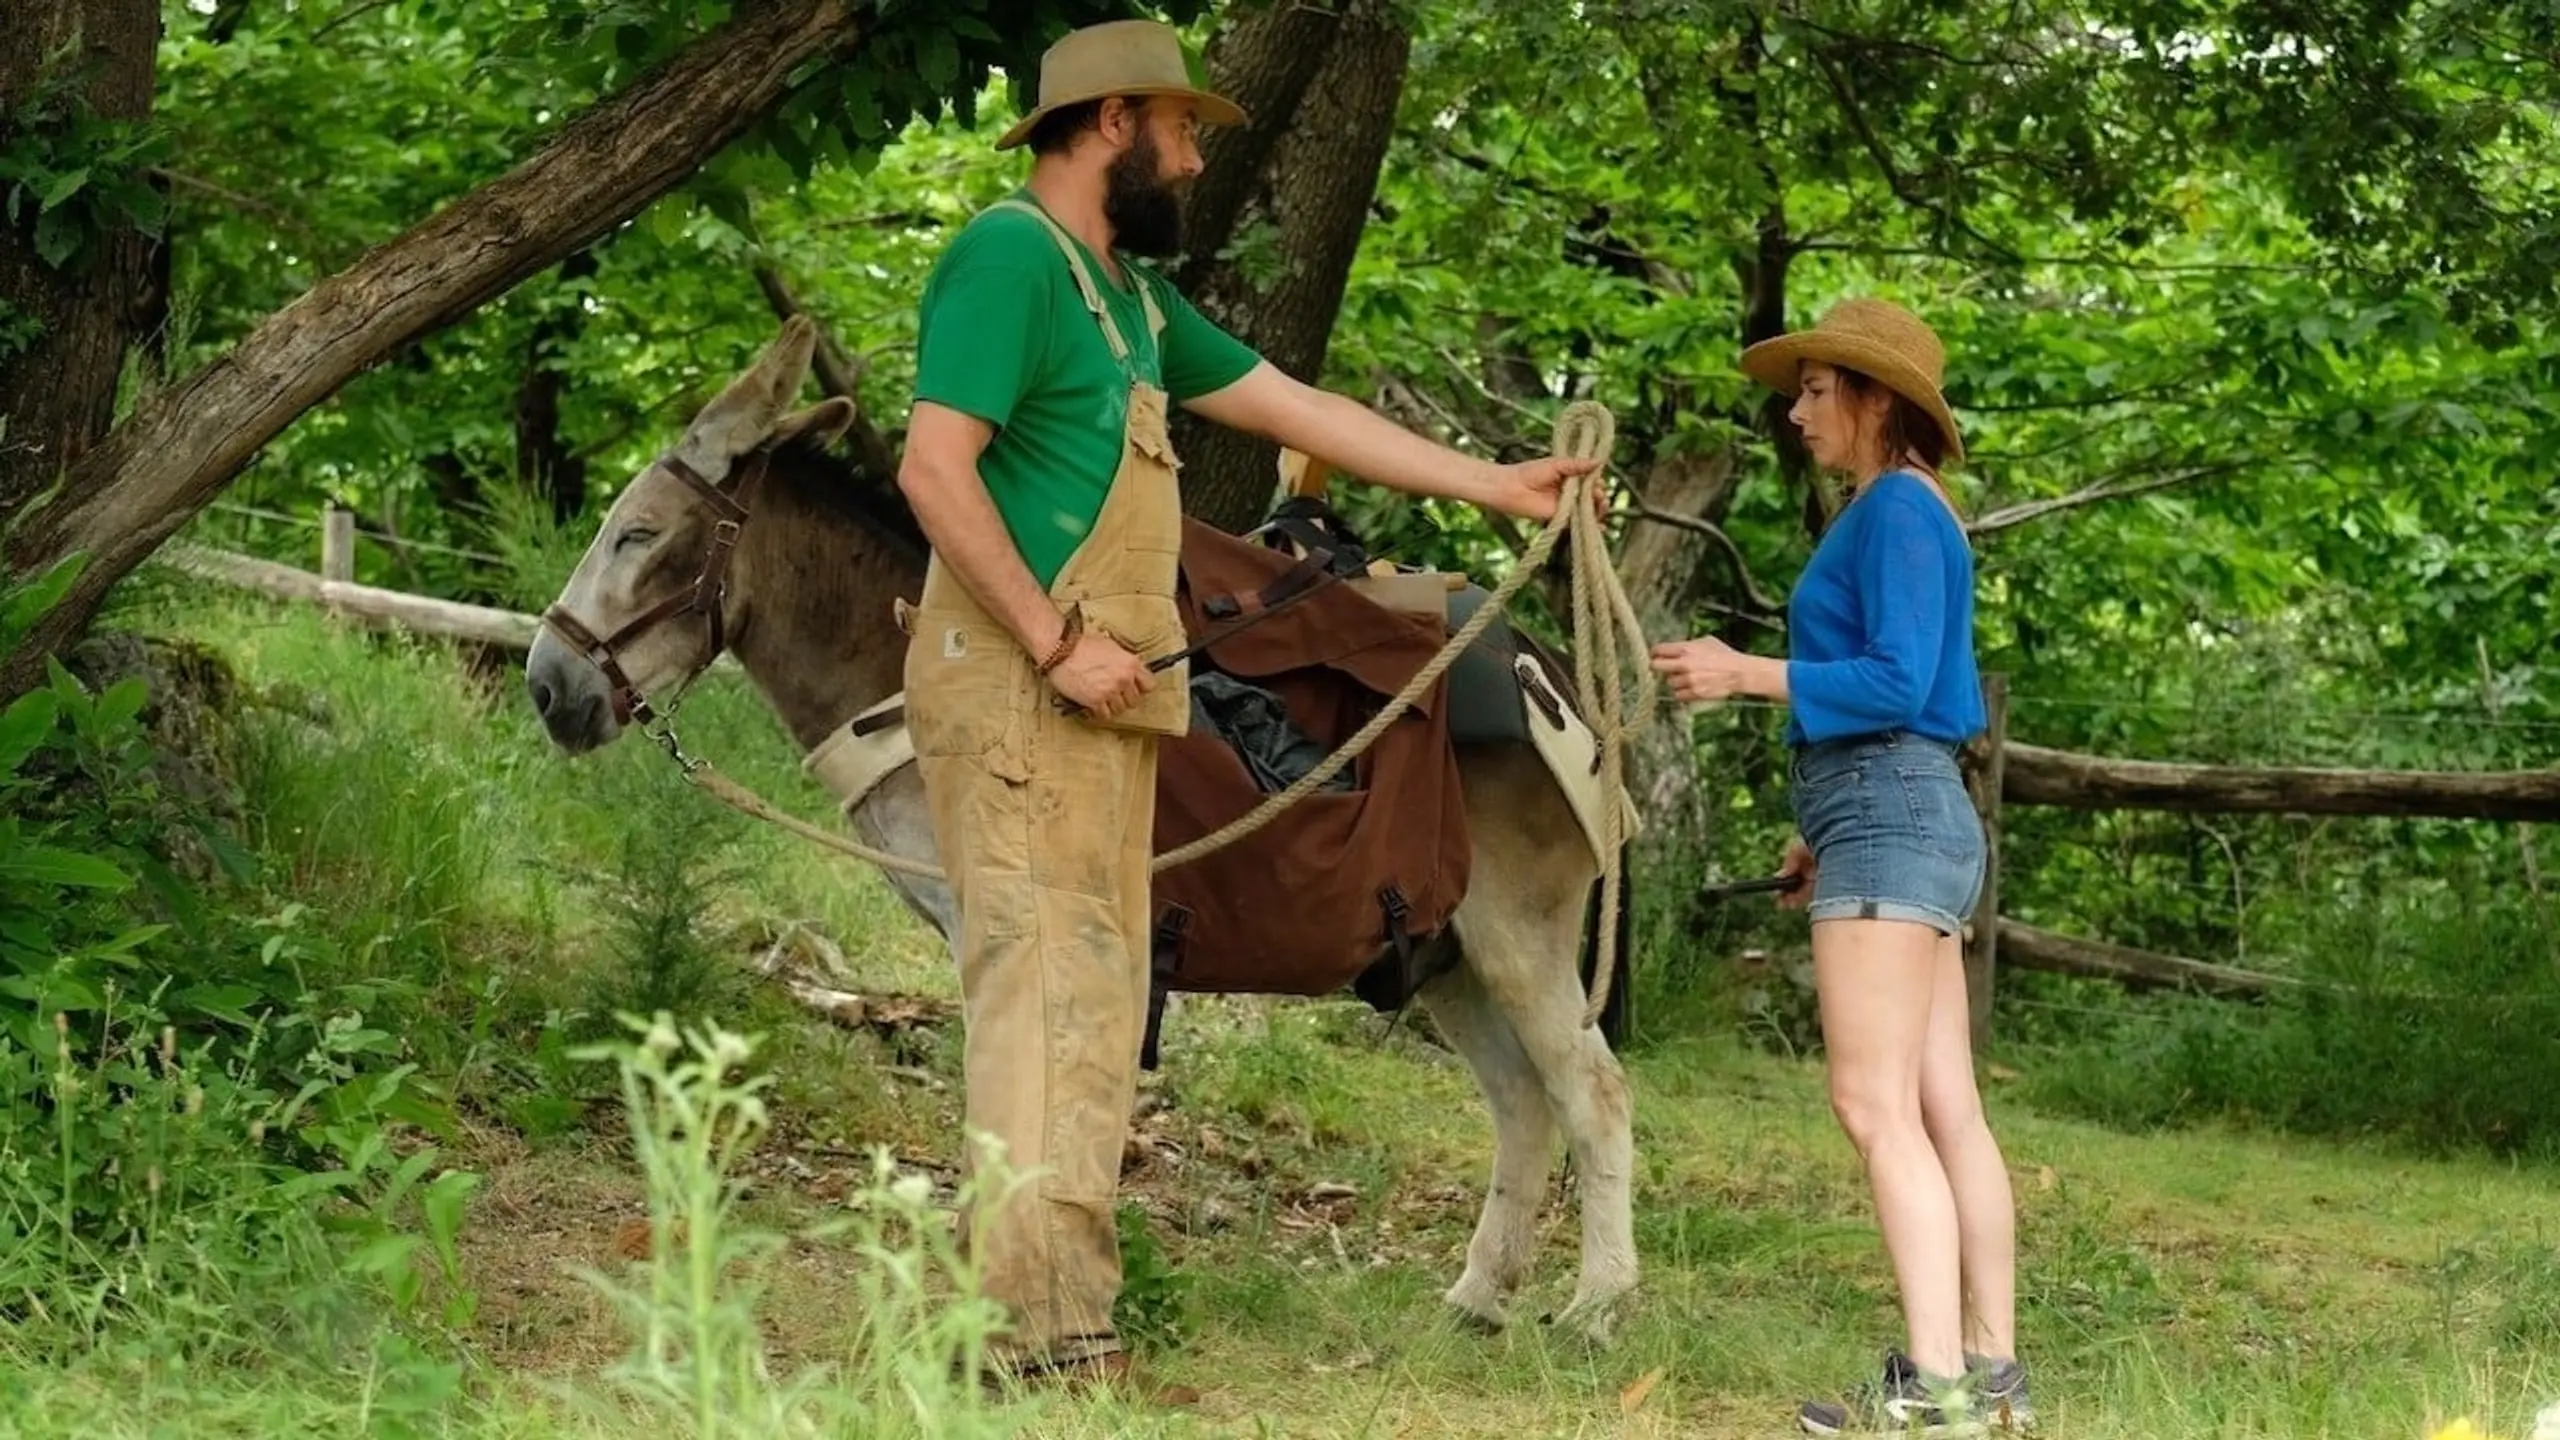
1350,436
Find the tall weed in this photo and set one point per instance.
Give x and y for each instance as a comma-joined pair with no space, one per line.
662,947
698,1360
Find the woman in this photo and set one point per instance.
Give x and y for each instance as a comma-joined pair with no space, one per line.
1881,689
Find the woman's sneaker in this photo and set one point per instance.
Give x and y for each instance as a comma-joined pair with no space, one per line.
2000,1390
1904,1402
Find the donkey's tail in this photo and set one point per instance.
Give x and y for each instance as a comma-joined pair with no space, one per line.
1618,1015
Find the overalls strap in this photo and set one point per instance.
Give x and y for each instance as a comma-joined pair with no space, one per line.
1091,290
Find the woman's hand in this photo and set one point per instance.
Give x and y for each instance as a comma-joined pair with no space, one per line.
1799,862
1708,669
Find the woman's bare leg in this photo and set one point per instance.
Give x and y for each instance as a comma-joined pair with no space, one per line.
1877,983
1986,1216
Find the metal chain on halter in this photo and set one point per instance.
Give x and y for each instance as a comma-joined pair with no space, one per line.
1604,624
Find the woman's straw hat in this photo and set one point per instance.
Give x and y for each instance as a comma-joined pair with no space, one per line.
1118,57
1875,338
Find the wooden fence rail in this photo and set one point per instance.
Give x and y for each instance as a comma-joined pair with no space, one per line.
2002,772
383,608
2033,775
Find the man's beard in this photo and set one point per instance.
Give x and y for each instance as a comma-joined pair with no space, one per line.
1145,212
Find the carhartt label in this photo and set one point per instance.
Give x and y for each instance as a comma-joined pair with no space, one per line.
955,643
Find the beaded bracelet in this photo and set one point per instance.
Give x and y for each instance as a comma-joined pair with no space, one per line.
1067,638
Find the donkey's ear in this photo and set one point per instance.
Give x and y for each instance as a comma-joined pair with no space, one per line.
819,426
741,416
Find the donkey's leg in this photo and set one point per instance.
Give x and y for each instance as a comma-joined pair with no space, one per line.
894,817
1523,1143
1521,930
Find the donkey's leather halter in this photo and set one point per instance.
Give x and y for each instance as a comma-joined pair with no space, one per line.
707,594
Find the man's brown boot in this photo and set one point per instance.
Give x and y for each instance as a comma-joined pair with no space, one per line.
1085,1374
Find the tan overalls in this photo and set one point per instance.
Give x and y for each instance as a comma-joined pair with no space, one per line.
1045,826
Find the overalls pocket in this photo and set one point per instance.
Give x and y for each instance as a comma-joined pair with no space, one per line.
966,686
1150,628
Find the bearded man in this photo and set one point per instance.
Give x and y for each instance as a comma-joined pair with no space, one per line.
1037,462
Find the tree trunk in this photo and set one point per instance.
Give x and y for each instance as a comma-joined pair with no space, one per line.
1661,565
155,471
58,393
546,464
1322,90
1666,567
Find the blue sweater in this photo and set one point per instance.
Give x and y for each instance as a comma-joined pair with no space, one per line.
1880,625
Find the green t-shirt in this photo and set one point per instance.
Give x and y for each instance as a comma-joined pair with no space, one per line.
1004,335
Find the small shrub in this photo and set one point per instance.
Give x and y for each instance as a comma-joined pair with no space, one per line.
662,946
1153,1294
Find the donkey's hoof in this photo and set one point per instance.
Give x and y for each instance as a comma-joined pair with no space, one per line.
1477,1308
1592,1321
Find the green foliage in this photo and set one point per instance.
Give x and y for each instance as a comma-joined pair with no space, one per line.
2410,1020
1154,1293
344,123
660,905
68,174
188,1124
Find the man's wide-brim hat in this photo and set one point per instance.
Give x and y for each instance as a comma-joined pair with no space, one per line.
1875,338
1120,57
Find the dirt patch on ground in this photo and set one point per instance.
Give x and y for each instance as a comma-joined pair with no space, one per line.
538,1218
545,1219
545,1215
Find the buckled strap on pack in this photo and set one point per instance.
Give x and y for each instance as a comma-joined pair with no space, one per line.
1398,912
1285,586
1164,960
1390,992
1311,524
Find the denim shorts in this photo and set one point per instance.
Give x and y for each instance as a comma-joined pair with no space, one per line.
1894,835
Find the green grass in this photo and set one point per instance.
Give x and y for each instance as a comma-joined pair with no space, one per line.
2211,1280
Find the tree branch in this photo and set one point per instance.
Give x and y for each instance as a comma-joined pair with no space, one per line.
181,445
2092,494
342,17
2094,262
1902,187
1907,47
250,203
2085,402
838,375
1751,590
1500,401
1395,394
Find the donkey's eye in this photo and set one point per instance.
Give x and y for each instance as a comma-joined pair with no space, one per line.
636,535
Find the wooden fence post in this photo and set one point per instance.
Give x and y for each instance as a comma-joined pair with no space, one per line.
337,543
1982,950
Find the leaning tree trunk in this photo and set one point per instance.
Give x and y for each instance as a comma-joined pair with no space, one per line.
1668,568
65,330
157,469
1321,87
